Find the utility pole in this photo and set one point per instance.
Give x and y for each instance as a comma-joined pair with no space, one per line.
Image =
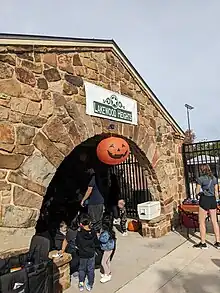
188,109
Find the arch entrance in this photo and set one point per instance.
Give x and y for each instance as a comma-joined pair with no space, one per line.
62,199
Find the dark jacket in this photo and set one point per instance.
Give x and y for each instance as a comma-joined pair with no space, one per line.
70,237
123,214
86,242
71,240
58,239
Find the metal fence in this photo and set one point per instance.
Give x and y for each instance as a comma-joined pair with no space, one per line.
133,184
195,155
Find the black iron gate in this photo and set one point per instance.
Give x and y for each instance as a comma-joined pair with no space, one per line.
197,154
133,184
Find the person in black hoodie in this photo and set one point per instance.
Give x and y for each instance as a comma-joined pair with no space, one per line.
86,242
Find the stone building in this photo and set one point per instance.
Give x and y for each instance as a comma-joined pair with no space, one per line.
43,118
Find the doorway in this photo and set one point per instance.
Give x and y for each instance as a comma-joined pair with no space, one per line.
69,184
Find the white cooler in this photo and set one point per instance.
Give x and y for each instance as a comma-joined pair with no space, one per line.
149,210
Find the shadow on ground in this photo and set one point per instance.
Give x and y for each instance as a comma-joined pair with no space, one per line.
182,282
216,262
194,234
201,274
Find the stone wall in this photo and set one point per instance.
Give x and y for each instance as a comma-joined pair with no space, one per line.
43,117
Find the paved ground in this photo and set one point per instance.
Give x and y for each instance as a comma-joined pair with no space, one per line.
166,265
134,255
183,270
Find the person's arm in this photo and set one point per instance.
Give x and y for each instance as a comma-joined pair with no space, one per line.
198,188
89,190
77,241
64,245
216,187
216,191
97,242
87,195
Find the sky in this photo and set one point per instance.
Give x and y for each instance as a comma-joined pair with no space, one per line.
174,45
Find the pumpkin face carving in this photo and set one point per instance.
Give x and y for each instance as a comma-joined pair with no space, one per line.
113,150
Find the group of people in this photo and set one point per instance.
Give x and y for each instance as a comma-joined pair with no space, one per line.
94,200
87,241
91,238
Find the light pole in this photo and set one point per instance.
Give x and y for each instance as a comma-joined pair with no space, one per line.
188,108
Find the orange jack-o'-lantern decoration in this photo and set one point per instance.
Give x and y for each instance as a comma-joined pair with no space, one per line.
133,226
113,150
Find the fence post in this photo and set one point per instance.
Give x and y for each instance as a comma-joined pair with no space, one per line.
186,171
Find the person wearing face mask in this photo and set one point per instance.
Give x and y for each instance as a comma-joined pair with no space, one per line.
86,242
65,242
60,237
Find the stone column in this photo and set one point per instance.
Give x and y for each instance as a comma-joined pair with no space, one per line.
61,273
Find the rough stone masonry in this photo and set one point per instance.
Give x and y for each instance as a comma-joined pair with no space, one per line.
43,117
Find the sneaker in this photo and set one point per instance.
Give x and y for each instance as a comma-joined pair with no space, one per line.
200,246
115,222
74,278
75,275
125,234
88,287
102,275
106,279
81,286
217,245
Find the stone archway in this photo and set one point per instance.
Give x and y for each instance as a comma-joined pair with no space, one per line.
61,200
52,142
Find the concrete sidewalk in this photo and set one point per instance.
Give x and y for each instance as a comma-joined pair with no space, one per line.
183,270
133,256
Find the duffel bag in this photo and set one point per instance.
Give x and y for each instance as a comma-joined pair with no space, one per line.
14,262
40,277
15,282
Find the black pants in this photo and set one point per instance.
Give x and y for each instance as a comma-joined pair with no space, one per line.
87,268
123,223
115,212
74,264
96,214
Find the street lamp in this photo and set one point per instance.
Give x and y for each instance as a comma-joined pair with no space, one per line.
188,108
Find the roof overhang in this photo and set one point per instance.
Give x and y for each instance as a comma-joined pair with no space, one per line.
15,40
